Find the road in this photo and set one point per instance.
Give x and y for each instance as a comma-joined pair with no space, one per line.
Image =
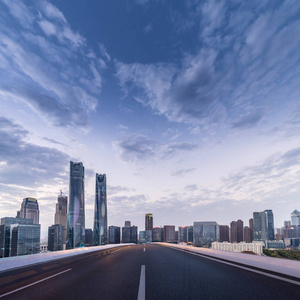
141,272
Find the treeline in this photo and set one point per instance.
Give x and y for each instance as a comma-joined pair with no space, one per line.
287,254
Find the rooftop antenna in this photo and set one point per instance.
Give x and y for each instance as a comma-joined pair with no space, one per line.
61,193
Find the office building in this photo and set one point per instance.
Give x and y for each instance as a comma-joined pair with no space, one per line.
30,209
247,235
295,217
61,216
224,233
190,234
127,224
169,234
251,226
290,232
26,237
145,236
236,231
263,224
55,237
88,237
100,213
148,222
76,216
205,233
129,234
157,234
287,223
114,234
183,234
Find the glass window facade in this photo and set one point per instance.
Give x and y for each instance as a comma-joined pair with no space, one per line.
205,233
100,213
76,217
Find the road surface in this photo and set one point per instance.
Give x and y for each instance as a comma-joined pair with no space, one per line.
141,272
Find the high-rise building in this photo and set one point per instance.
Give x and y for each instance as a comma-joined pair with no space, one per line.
127,224
157,234
190,234
55,237
100,216
88,237
148,222
233,232
295,217
61,216
76,217
287,223
129,234
30,209
251,226
224,233
205,233
247,234
19,236
145,236
183,234
169,234
263,224
114,234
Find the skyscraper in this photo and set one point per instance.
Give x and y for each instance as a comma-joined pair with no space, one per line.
76,217
295,217
263,224
240,231
183,234
247,234
61,216
55,237
114,234
100,214
30,209
169,234
251,226
233,232
148,222
224,233
205,233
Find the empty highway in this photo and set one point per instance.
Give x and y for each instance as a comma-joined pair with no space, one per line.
141,272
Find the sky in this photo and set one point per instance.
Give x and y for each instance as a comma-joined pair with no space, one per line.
191,108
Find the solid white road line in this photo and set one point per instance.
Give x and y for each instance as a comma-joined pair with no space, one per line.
142,286
31,284
241,267
115,251
144,249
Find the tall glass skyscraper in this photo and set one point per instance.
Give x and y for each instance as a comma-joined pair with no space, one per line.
61,216
76,218
30,209
100,217
263,223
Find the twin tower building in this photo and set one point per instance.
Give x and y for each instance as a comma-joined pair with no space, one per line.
76,212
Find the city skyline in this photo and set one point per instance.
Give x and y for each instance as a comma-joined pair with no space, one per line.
189,120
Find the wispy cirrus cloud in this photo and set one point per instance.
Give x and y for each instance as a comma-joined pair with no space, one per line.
44,64
137,147
244,65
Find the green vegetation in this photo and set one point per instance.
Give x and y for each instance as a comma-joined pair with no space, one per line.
287,254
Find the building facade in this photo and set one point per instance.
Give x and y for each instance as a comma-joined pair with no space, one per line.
76,215
100,213
129,234
256,247
190,234
148,222
295,217
157,234
169,234
61,216
145,236
263,224
205,233
182,234
55,237
224,233
30,210
114,234
247,235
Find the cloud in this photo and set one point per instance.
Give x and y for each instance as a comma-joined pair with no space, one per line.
246,57
104,52
28,165
182,172
112,190
148,28
137,147
45,66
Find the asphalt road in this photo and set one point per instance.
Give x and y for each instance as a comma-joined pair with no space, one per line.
157,272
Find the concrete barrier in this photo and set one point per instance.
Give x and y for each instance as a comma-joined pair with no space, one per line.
273,264
9,263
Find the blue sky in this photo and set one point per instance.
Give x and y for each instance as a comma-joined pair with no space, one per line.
191,108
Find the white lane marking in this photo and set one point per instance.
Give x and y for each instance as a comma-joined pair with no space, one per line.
31,284
144,249
241,267
115,251
142,286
